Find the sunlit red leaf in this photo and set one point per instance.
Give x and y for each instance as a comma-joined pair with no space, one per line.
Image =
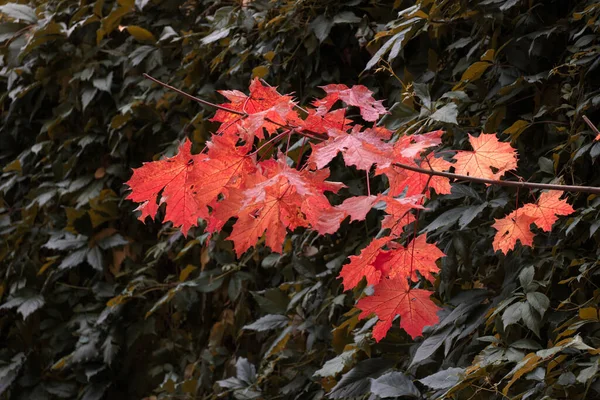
512,228
395,297
176,177
358,95
370,263
546,210
362,149
488,152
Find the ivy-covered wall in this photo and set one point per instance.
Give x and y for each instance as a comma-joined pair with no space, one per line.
94,304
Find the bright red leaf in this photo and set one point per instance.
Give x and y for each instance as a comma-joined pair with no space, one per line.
513,227
489,159
176,178
358,95
418,255
362,149
370,263
395,297
265,108
546,210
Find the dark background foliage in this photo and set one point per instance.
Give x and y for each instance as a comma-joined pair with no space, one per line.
94,304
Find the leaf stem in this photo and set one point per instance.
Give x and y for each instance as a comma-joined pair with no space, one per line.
527,185
194,98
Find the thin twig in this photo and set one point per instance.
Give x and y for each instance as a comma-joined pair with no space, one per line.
194,98
592,126
527,185
295,105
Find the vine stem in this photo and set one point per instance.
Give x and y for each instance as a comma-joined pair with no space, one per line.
522,184
194,98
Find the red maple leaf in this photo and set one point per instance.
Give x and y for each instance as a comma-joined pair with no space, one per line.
176,178
398,210
488,152
358,207
395,297
275,204
318,123
513,227
415,182
264,108
546,210
358,95
362,149
190,183
370,263
418,255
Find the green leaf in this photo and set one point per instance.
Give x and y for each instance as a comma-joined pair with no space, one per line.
538,301
337,364
245,371
321,27
447,113
513,314
103,83
19,12
216,35
74,259
357,381
346,17
399,115
446,219
526,276
444,379
394,384
140,53
95,259
470,214
268,322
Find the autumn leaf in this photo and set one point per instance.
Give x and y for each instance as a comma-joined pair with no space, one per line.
546,210
488,152
274,205
263,108
358,207
395,297
370,263
398,213
415,183
418,255
358,95
190,183
177,178
513,227
362,149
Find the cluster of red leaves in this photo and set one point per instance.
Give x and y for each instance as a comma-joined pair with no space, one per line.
268,198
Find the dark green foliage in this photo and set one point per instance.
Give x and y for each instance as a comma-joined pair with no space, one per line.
94,304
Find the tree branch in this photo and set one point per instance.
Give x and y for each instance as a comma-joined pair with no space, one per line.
525,185
193,98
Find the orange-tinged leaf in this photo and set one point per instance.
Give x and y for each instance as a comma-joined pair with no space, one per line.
358,95
176,177
546,210
418,255
488,152
415,183
395,297
265,108
398,210
370,263
358,207
190,183
362,149
513,227
276,204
